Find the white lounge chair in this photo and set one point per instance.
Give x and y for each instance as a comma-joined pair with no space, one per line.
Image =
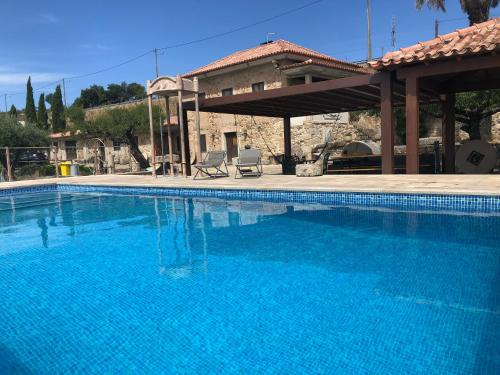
214,160
249,159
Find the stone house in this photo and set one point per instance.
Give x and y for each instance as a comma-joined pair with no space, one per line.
268,66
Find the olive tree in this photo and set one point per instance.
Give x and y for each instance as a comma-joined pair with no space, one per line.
13,134
117,123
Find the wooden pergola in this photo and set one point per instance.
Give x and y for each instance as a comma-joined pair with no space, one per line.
393,83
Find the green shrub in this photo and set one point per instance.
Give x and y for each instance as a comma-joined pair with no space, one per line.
85,171
47,170
27,170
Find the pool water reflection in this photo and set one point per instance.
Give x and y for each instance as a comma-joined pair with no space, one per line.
125,284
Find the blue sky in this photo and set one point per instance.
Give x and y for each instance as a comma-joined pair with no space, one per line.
50,40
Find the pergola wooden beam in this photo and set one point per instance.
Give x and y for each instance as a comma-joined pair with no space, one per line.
348,100
463,64
311,88
303,105
461,85
365,93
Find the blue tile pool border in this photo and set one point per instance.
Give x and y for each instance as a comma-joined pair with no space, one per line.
28,189
464,203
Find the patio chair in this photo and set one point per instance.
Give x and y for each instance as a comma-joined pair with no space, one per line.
214,160
249,159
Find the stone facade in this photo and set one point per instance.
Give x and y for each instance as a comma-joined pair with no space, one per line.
492,127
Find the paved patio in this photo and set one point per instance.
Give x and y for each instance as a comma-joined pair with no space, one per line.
434,184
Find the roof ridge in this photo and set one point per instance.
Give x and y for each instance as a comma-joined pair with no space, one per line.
317,53
225,57
265,50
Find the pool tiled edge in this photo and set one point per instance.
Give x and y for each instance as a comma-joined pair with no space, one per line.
37,188
466,203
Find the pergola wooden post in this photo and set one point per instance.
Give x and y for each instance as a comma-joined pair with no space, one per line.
412,125
187,149
387,122
151,133
448,133
169,135
197,120
287,135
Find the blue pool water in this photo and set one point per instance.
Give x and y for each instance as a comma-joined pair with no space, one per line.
107,284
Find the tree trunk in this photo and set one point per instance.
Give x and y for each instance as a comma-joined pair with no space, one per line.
3,162
134,150
472,127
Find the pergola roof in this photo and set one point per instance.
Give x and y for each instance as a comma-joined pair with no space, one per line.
337,95
479,38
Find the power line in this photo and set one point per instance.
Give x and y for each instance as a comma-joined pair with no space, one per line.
241,28
34,90
111,67
214,36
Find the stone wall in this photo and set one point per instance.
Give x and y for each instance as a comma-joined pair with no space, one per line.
241,80
490,130
493,128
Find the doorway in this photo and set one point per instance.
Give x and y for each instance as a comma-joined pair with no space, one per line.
231,146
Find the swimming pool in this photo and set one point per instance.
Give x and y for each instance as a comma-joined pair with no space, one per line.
92,281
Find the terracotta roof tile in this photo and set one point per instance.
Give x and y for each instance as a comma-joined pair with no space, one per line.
479,38
277,47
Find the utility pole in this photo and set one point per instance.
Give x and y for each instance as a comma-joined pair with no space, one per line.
64,93
156,61
5,99
436,28
369,26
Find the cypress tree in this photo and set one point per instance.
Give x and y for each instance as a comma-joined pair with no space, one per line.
43,118
13,111
30,111
57,107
